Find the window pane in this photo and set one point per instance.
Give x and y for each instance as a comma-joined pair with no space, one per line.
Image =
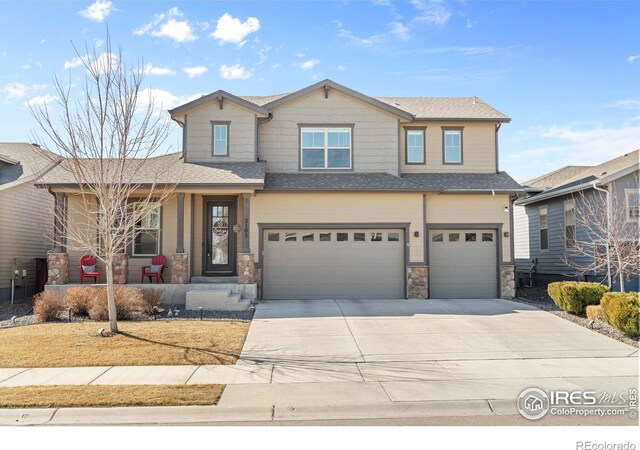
313,138
544,239
571,236
415,146
358,237
543,220
633,205
470,237
339,159
437,237
146,243
312,158
342,237
454,237
376,237
452,155
220,140
307,237
393,237
325,237
452,147
340,138
273,237
290,237
487,237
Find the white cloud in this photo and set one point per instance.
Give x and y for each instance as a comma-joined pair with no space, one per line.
626,104
341,68
633,58
229,30
299,54
97,11
168,25
150,69
432,12
470,23
309,64
236,72
26,66
400,30
196,71
42,41
40,100
104,63
348,35
15,91
73,62
162,99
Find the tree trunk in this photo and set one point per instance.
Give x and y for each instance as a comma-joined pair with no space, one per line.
111,302
621,275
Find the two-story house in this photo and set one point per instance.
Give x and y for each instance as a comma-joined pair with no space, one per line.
547,222
329,193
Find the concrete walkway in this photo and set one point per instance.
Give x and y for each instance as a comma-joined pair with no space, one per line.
314,354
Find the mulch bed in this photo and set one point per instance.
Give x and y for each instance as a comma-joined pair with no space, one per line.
538,297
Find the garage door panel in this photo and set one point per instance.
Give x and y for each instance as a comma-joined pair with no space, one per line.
332,268
462,269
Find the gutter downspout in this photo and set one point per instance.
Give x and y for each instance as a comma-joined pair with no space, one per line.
606,191
498,125
258,123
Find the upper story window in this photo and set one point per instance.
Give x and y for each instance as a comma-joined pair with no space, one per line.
570,223
544,228
632,202
452,145
325,148
220,139
415,146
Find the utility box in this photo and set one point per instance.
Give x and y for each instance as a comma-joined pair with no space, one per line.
18,272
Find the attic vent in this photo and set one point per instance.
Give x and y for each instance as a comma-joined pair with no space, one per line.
35,145
396,103
475,100
603,174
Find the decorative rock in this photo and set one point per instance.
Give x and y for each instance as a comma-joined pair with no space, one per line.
58,268
180,268
246,269
507,282
418,282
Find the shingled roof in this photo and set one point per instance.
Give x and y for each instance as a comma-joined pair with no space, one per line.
21,162
555,178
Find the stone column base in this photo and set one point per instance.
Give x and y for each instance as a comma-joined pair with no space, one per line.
507,282
58,268
180,268
246,268
120,268
418,282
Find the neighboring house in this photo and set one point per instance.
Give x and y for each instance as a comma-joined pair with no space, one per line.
26,217
544,219
334,194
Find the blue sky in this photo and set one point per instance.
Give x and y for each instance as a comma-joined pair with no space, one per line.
567,73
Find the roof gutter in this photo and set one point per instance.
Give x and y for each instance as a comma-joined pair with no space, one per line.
543,196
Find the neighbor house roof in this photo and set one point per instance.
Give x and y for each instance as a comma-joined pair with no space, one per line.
551,179
410,108
576,180
169,169
464,182
22,162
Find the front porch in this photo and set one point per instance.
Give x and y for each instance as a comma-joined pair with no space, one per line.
205,238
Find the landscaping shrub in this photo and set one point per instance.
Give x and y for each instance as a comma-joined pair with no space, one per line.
622,310
575,296
594,312
47,306
79,300
128,301
151,298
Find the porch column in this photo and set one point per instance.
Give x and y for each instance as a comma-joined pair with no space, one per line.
245,219
180,259
180,225
58,259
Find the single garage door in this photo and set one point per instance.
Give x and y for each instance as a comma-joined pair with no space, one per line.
332,263
462,264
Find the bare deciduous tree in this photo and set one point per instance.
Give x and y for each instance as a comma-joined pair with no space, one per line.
110,138
605,237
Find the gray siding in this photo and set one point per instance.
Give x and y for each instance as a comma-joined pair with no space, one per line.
26,223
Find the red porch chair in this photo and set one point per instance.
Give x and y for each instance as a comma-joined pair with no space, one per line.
88,261
159,262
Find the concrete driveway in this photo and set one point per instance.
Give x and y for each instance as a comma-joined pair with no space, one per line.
337,352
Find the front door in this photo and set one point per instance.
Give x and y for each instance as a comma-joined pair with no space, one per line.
219,243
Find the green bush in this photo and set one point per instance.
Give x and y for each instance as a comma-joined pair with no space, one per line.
575,296
622,310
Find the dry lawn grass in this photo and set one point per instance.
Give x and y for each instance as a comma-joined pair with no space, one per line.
138,343
88,396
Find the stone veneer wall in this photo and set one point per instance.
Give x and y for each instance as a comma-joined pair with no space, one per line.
418,282
246,268
180,268
507,282
58,268
120,269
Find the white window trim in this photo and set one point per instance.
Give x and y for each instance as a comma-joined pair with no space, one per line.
444,146
422,133
326,147
627,204
138,231
226,125
540,214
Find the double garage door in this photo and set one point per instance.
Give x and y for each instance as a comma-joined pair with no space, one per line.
463,263
334,263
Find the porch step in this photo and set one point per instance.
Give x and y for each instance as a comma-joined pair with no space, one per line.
215,300
213,280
